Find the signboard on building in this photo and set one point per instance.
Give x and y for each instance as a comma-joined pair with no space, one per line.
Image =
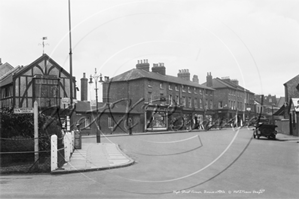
93,103
23,110
65,101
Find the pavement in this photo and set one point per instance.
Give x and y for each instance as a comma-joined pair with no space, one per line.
95,156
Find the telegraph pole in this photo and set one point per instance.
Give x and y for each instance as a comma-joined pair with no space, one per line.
71,70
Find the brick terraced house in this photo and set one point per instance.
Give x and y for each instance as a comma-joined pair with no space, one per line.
162,100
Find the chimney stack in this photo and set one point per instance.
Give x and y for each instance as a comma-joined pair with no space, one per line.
209,81
235,81
159,68
184,74
143,64
84,88
195,79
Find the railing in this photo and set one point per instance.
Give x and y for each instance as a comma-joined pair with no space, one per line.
68,140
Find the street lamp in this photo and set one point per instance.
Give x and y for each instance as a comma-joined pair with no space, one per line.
96,77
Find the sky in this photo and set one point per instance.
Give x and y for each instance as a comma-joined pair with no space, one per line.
253,41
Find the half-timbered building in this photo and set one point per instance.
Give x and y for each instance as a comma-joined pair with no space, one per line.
43,81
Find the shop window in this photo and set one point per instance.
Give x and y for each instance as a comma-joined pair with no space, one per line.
156,120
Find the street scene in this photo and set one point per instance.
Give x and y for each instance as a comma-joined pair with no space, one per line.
224,163
149,99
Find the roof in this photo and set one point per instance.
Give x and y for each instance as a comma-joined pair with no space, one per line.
280,101
296,78
220,83
280,111
84,107
134,74
5,68
7,78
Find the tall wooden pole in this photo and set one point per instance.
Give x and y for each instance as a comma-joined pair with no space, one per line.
36,131
71,70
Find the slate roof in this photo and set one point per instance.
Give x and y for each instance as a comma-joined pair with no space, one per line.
5,68
7,77
134,74
220,83
292,80
280,101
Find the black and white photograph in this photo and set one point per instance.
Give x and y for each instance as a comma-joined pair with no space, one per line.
149,99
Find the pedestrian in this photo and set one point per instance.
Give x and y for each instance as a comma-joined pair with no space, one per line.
130,126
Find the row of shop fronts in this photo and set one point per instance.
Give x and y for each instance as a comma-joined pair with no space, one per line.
152,118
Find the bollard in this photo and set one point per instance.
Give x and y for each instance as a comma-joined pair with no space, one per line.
67,147
53,152
77,139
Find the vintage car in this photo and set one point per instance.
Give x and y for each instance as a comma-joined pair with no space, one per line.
265,130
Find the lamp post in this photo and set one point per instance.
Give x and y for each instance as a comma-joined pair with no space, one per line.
272,114
96,77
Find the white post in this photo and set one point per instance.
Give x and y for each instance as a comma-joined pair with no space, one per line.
66,147
53,152
68,123
73,140
36,131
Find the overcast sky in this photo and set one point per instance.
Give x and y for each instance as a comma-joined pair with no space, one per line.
254,41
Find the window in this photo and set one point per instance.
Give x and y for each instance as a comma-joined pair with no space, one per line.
170,99
195,90
46,91
200,103
170,87
176,87
183,88
211,104
206,104
189,90
161,86
177,99
220,104
149,97
183,101
190,102
149,83
200,91
195,103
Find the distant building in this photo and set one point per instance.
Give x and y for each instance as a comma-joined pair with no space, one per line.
43,81
290,109
4,68
230,98
160,99
291,88
270,106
